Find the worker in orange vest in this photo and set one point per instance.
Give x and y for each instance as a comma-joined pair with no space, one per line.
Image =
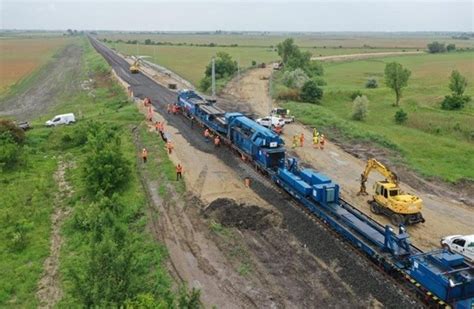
322,141
144,155
169,147
207,134
158,126
217,141
150,113
179,172
174,109
278,129
301,139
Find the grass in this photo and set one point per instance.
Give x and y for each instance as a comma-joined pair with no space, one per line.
27,194
22,57
190,62
434,142
346,40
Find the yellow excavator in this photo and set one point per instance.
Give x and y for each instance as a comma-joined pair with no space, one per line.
135,67
389,200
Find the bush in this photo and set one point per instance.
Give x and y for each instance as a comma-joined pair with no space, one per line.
254,63
371,83
224,66
315,68
310,92
356,94
9,151
105,169
451,47
13,130
289,95
205,83
401,116
295,79
319,81
360,108
453,102
18,235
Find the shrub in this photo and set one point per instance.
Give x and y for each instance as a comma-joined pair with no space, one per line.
319,81
401,116
360,108
205,83
356,94
451,47
18,235
453,102
289,95
13,130
295,78
310,92
371,83
9,151
254,63
315,68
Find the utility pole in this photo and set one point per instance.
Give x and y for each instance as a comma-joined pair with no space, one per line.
137,48
213,77
270,93
238,75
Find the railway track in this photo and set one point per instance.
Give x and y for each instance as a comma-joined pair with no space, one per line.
379,283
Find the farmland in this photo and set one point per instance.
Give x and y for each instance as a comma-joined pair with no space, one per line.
430,134
23,56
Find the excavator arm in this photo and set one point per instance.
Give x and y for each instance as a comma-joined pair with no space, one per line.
382,169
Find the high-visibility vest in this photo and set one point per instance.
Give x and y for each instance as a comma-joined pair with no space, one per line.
179,169
206,133
217,140
169,145
144,153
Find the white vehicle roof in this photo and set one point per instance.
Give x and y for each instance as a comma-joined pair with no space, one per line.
469,238
64,115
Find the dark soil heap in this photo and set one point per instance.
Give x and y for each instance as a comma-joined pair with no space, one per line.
229,213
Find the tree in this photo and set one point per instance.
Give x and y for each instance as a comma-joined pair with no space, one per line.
310,92
457,99
396,77
360,108
436,47
286,49
458,83
225,66
451,47
148,42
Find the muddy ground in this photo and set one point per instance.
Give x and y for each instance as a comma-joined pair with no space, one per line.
446,210
295,263
58,77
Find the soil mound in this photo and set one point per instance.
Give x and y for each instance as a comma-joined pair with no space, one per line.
229,213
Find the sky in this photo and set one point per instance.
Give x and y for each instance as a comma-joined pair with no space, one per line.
231,15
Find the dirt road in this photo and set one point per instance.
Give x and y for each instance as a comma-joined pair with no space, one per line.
444,216
351,57
293,263
56,78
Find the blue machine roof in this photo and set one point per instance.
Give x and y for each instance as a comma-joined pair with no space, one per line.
253,125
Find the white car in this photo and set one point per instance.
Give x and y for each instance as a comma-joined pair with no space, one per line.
464,245
282,113
271,121
61,119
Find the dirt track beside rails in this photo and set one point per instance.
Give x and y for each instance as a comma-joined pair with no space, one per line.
344,163
295,263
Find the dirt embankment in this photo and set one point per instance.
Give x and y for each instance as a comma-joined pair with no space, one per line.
57,77
445,208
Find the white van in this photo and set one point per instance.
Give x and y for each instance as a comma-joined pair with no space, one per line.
61,119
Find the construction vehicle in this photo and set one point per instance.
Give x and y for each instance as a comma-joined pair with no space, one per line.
400,207
135,67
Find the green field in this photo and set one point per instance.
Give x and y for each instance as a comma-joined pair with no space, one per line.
345,40
433,141
190,62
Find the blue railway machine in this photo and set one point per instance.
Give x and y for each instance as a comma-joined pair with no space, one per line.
442,278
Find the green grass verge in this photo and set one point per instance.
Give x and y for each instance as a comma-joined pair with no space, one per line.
434,142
